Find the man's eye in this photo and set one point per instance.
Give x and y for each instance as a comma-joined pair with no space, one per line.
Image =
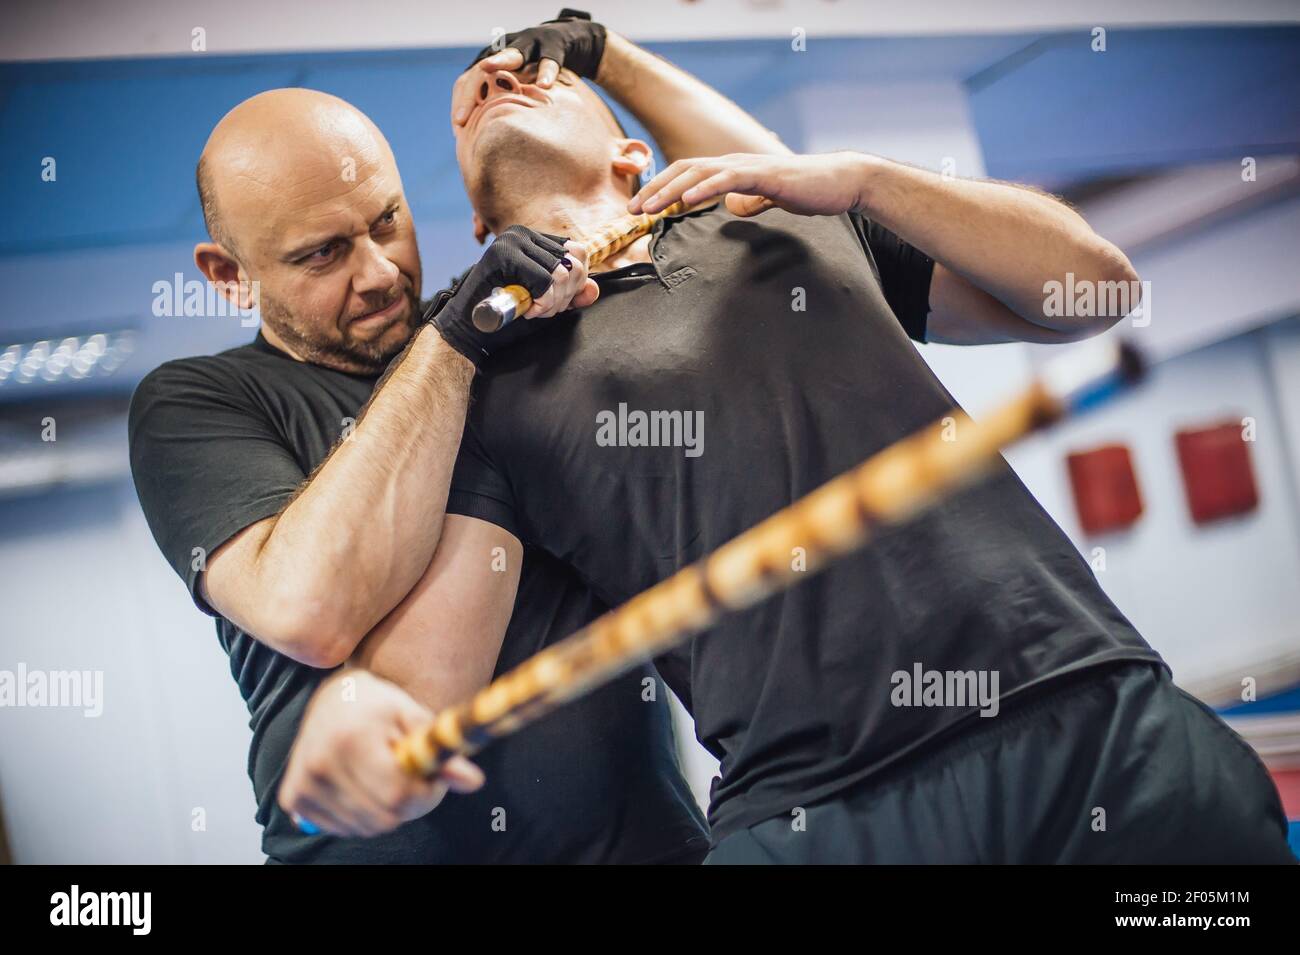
390,217
323,253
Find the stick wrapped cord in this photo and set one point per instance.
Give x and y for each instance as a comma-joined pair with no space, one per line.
834,520
506,304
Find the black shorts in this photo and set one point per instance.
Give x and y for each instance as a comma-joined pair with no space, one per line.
1115,765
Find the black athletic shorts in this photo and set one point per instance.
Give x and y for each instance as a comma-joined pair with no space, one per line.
1115,765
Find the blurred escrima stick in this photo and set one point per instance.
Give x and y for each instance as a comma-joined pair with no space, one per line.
834,520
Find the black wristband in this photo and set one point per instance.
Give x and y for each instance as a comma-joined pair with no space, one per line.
571,40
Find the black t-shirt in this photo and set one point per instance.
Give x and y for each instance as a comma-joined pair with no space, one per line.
221,442
747,364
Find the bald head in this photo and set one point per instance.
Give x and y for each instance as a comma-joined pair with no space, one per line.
301,195
267,139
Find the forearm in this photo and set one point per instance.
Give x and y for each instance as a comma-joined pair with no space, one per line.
439,655
1005,239
685,116
441,643
365,526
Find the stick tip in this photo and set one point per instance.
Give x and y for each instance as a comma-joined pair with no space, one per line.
1085,377
1131,363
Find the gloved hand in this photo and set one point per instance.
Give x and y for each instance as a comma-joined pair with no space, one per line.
554,272
570,40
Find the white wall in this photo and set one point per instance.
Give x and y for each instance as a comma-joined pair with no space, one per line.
1221,280
62,29
1220,602
84,588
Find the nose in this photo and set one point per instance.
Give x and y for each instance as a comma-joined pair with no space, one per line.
376,273
501,83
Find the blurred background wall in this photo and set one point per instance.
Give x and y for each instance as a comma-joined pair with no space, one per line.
1175,130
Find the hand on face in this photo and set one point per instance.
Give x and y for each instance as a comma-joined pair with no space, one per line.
343,776
465,92
806,185
571,41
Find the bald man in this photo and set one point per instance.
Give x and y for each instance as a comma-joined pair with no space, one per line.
301,498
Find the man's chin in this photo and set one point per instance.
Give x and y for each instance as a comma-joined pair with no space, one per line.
374,343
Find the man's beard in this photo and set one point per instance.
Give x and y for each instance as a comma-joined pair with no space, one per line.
348,353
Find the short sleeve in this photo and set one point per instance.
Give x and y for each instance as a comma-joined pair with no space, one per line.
905,272
206,464
478,486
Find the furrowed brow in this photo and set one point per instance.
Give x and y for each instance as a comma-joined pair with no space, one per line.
309,246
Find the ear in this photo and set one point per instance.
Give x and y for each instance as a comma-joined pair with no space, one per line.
480,230
225,273
631,157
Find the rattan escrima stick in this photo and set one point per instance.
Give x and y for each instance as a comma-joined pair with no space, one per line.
835,519
506,304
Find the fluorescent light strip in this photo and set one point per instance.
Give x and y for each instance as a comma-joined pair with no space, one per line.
72,358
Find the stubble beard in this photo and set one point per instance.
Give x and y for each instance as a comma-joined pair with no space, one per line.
347,352
515,167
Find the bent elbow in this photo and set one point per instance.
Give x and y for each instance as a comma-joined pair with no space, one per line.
320,653
1118,288
1117,268
314,634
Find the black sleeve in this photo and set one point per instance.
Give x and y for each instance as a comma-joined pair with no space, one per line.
904,272
478,487
206,463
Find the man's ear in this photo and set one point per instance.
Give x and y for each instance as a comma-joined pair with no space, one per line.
225,273
631,157
480,230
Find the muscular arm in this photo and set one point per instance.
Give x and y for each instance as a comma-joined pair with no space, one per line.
685,116
313,580
437,647
995,246
441,643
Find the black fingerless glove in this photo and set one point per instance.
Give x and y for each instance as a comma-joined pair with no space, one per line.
571,40
518,256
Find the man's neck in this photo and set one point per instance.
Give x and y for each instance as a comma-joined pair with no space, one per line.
574,216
